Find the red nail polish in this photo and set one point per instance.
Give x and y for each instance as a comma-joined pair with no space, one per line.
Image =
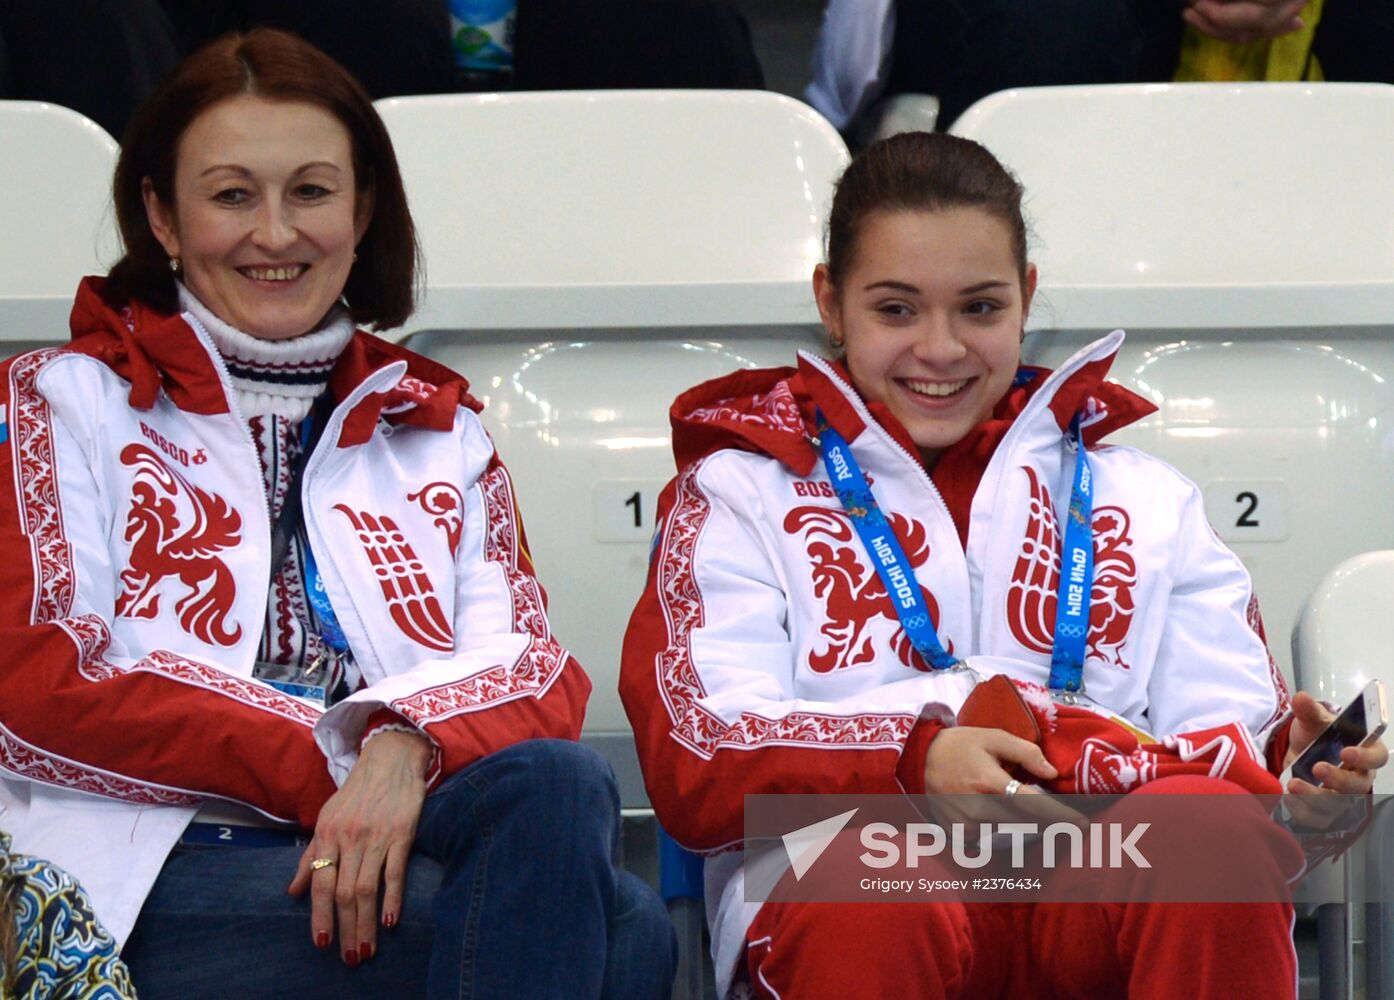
389,920
351,958
322,939
365,951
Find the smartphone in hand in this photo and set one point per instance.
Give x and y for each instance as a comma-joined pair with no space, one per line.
1359,724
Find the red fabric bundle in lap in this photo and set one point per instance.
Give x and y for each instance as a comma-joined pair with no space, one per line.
1098,755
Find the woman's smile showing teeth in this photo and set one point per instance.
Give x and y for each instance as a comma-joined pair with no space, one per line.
923,387
284,273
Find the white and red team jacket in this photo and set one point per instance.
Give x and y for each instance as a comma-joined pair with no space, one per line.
766,657
136,559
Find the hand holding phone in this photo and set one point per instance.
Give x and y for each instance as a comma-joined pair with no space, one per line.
1360,724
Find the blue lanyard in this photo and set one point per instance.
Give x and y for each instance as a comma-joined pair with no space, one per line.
1076,577
329,628
898,577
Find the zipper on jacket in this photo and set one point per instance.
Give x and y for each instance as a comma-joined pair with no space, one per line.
323,555
325,558
871,422
235,411
1031,412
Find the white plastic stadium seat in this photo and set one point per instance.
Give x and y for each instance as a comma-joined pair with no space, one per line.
905,113
1343,642
55,194
1241,234
588,257
1346,633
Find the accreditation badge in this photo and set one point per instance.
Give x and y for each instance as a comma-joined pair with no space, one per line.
313,683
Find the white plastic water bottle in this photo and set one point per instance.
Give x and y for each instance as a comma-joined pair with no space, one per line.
482,31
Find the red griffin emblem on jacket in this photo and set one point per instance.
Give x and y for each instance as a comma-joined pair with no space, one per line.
1032,594
852,589
411,600
177,529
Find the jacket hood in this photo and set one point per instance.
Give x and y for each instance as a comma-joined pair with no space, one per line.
153,350
770,411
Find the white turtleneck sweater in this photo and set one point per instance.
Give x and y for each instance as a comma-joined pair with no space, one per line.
280,378
276,382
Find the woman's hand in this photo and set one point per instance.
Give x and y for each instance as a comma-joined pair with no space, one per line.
367,828
1355,777
1241,21
969,760
1309,718
964,760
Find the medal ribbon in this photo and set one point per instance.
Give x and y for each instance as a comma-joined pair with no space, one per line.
887,555
1076,577
898,577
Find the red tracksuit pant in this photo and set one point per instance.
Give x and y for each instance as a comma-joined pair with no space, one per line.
809,951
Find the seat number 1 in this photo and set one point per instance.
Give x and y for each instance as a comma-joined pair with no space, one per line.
622,510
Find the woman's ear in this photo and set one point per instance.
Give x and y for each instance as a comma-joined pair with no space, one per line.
363,204
1028,291
829,309
160,218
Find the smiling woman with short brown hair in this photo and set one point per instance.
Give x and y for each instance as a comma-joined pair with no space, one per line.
280,686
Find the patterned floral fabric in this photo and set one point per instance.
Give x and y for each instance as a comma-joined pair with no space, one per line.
63,953
289,636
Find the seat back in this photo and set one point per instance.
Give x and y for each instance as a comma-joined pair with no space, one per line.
55,199
588,257
623,209
1241,235
1345,633
1342,642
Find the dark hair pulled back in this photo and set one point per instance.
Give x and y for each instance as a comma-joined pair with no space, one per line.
277,66
922,172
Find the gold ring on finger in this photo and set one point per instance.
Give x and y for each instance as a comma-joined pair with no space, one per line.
319,864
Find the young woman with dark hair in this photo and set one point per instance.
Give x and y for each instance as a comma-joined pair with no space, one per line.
768,655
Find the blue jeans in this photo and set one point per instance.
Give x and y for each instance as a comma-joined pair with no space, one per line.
511,892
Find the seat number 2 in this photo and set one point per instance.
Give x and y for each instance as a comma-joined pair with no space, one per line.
1248,510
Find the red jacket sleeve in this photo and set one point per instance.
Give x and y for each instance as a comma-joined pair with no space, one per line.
509,680
706,680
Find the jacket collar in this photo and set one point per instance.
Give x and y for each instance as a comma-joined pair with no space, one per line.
827,385
772,411
152,351
1080,386
422,394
